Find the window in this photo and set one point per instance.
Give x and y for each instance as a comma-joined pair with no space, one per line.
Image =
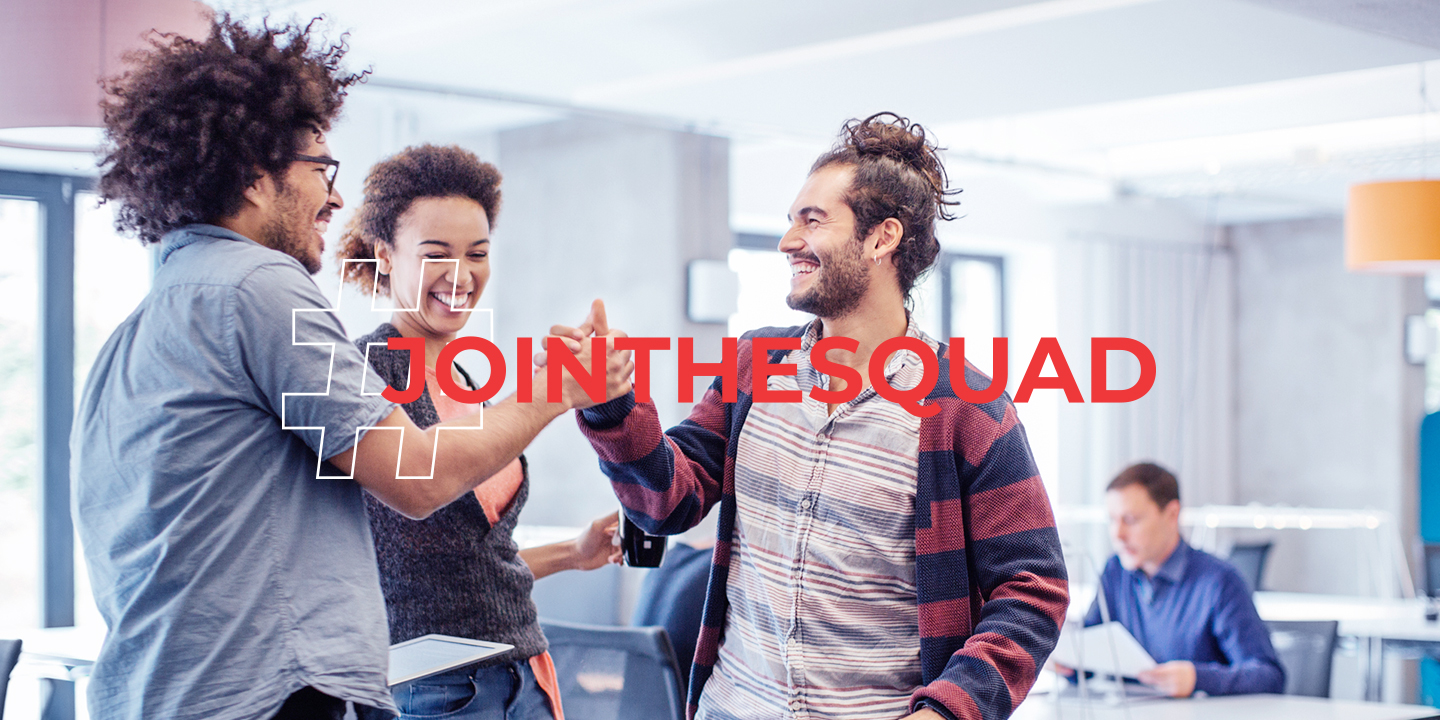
20,232
764,283
973,303
66,283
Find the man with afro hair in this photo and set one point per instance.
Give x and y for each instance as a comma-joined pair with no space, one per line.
222,446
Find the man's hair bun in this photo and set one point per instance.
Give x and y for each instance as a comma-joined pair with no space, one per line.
890,136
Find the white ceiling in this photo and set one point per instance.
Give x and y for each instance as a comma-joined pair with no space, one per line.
1274,104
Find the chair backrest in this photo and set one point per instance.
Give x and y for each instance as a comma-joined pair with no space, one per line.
615,673
1432,570
1250,561
9,655
1305,650
673,596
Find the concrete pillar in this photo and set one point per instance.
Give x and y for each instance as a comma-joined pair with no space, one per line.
600,209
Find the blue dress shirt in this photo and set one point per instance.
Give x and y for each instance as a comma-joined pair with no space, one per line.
230,570
1196,608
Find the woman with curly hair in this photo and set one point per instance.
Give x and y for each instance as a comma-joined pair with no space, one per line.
425,222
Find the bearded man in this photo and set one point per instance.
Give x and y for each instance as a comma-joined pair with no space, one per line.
870,562
218,466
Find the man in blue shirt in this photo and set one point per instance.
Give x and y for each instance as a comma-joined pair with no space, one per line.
226,430
1189,609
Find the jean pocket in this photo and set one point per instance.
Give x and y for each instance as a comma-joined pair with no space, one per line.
436,701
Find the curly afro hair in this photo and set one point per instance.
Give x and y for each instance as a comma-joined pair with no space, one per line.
898,174
393,185
195,122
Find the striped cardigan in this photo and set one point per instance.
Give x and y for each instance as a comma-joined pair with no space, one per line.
990,578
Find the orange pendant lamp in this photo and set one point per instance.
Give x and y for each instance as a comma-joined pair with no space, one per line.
1393,227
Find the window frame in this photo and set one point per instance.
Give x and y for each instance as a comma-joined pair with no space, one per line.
947,287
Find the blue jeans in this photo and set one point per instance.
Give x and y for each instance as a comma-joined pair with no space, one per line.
498,692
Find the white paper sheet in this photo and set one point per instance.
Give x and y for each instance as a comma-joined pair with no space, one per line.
1108,649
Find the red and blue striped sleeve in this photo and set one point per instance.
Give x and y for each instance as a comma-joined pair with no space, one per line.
667,480
989,569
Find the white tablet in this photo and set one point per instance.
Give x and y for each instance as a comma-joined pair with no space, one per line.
433,654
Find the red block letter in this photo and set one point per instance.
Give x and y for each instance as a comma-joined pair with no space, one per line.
524,371
1064,379
642,347
725,369
446,377
1098,347
908,399
761,370
1000,352
416,346
558,357
849,375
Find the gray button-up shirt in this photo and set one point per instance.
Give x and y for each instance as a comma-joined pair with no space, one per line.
231,566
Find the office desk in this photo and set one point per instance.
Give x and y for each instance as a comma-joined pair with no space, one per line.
60,653
56,657
1235,707
1379,625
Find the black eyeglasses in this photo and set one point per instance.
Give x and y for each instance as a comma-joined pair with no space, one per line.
334,168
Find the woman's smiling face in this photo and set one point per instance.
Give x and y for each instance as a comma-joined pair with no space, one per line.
439,264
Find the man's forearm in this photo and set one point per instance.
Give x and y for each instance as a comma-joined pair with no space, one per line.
687,461
418,472
467,451
471,449
1242,678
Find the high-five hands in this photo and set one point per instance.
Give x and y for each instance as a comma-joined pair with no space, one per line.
619,364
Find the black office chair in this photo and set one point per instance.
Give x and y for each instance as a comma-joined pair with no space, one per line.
1250,561
1432,570
9,656
1305,650
615,673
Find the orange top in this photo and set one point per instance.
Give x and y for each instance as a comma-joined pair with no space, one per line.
495,496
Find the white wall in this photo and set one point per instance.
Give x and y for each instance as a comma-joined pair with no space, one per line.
1327,410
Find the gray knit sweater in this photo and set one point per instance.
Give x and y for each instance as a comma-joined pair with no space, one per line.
451,573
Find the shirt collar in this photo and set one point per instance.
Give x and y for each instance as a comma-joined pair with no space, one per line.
1173,569
180,237
897,361
808,376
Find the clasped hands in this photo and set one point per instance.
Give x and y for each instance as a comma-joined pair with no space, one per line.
619,364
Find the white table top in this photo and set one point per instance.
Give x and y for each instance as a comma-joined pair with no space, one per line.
72,645
1391,619
1235,707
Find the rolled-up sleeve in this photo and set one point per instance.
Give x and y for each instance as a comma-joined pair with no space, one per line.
293,349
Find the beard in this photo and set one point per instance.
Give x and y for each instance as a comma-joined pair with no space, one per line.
842,284
289,232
